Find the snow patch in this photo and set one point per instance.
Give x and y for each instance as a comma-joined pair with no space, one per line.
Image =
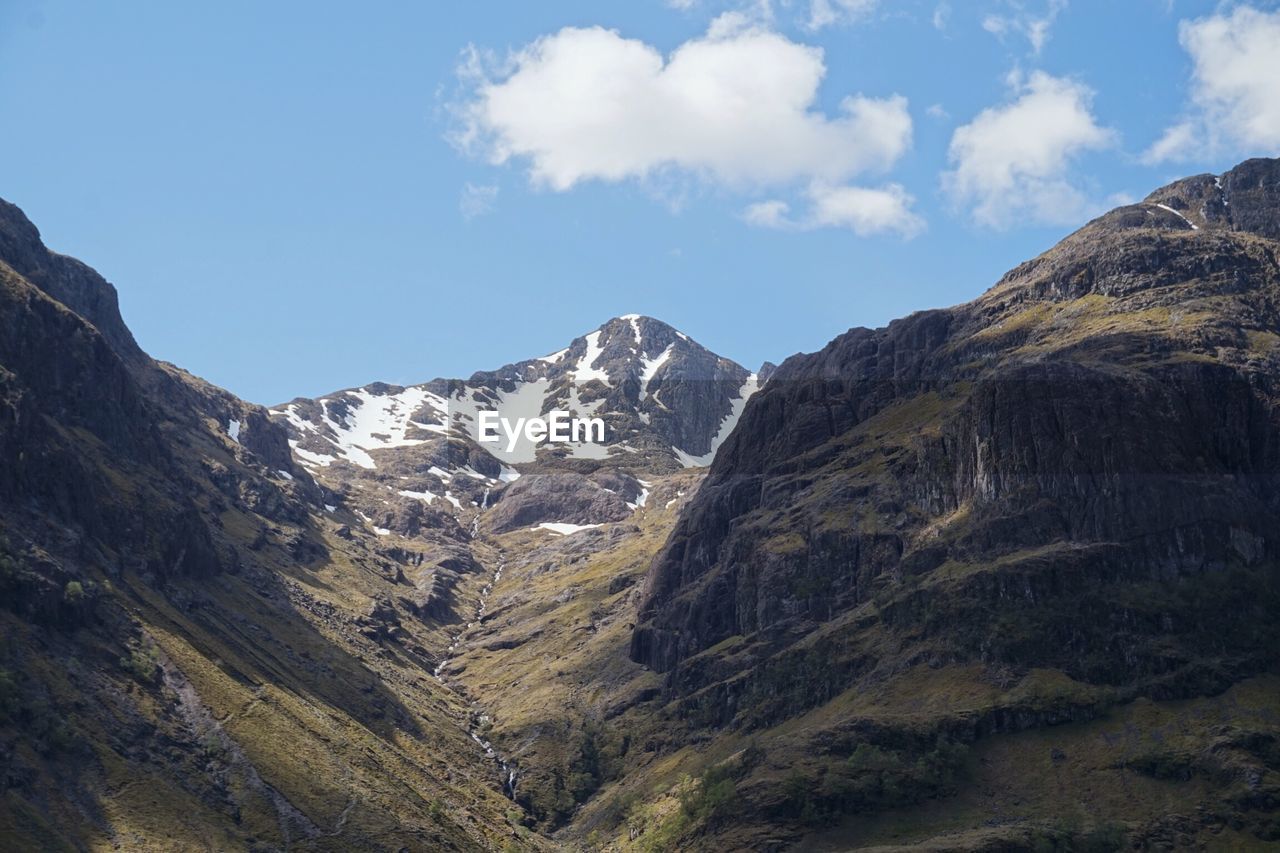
1194,227
563,528
233,430
586,369
643,497
649,368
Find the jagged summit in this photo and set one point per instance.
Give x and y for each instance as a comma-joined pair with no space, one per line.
667,402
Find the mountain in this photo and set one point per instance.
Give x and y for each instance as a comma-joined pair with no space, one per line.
666,403
1001,576
1054,504
194,655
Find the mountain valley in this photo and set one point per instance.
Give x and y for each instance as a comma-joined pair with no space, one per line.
1000,576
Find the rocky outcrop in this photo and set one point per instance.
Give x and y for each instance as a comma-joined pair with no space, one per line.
563,498
65,280
1079,470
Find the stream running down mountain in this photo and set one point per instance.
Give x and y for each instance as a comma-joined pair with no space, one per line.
477,721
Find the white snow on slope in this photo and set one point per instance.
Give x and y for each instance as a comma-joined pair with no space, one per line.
564,528
525,401
588,450
586,369
233,430
1194,227
649,368
726,426
372,422
643,497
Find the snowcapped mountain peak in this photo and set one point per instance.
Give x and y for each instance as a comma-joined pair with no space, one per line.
666,402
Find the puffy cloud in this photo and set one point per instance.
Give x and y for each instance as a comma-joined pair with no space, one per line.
1179,142
1235,98
1012,161
735,107
1034,27
864,211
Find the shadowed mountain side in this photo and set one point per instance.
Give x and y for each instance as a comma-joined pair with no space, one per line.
191,654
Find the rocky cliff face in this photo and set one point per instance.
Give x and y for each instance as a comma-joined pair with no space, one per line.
1079,470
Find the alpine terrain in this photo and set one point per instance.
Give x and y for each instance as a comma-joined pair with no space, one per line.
1001,576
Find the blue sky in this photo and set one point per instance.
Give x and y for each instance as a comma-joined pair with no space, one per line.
293,198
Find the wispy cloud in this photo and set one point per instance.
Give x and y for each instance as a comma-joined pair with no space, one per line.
826,13
1017,19
477,200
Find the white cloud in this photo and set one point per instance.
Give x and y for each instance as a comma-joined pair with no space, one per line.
937,111
941,15
477,200
1012,161
1018,21
864,211
1179,142
735,107
1235,98
824,13
768,214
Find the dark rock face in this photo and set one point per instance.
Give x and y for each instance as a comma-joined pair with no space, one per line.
1079,470
1243,199
64,279
411,518
83,410
561,497
71,413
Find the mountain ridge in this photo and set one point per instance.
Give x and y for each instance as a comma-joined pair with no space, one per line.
616,365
